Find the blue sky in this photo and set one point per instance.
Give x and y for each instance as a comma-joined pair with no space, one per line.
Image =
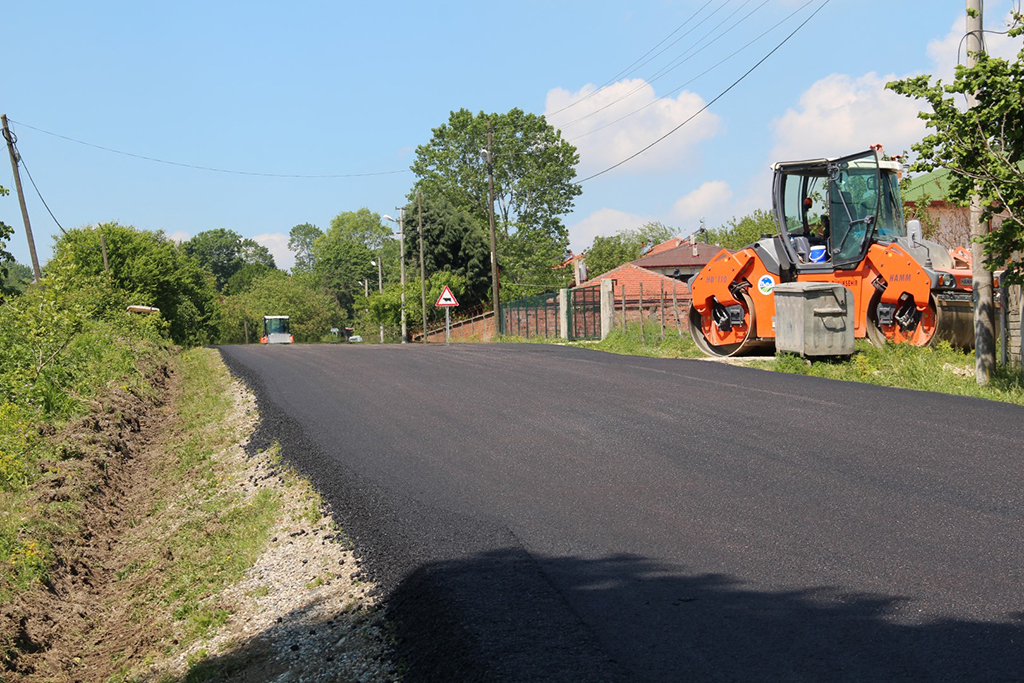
319,88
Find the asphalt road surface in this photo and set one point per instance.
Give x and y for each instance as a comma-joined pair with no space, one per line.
540,513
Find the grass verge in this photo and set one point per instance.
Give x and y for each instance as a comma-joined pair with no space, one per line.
940,368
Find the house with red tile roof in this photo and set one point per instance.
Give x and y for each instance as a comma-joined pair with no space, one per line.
680,261
634,279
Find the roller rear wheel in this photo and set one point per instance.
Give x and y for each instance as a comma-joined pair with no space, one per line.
909,325
714,341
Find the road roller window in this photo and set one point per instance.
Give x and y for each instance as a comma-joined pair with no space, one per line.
853,206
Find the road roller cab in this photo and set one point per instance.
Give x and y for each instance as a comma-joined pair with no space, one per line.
838,220
276,330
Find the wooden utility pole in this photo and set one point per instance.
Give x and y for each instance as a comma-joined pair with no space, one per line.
21,198
423,280
984,307
494,241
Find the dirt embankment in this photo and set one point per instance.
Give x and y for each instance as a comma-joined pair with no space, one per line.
302,609
90,495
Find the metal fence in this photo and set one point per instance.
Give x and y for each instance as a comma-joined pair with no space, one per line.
585,313
532,316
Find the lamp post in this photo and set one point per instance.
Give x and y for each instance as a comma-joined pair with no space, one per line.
401,260
489,159
380,290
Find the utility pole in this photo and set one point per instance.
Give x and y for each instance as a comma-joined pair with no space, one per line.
494,242
380,287
423,281
21,198
984,308
103,246
401,261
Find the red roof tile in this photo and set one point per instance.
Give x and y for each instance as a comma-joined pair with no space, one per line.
680,256
631,276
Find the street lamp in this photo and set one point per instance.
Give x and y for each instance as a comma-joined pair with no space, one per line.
380,289
401,260
488,158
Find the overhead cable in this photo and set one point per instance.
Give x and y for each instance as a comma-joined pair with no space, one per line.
717,97
210,168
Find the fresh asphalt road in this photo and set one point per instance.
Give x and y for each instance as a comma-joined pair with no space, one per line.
537,512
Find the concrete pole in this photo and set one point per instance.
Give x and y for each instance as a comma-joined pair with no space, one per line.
423,280
984,306
401,261
607,307
494,242
380,288
563,313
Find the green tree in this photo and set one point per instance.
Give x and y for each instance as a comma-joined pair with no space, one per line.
225,252
625,246
300,241
533,170
18,277
739,233
982,147
5,256
342,263
312,311
363,226
454,241
149,269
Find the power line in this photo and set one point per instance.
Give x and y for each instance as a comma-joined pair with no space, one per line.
717,97
679,63
40,194
627,71
703,73
209,168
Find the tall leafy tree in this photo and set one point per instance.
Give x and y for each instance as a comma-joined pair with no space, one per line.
533,171
982,147
300,241
225,252
453,241
363,226
342,262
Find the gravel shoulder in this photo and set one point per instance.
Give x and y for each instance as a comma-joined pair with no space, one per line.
304,611
150,584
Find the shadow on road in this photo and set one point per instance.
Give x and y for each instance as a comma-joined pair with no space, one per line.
652,625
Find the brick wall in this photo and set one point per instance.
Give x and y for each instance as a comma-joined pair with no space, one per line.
476,328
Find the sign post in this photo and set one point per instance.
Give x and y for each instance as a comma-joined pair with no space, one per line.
447,301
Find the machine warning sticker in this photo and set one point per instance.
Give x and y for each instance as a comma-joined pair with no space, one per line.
766,285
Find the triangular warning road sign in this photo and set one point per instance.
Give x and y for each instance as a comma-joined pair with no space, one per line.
446,298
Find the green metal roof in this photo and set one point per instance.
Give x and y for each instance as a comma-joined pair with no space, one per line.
934,186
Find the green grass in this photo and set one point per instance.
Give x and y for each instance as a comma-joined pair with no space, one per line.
647,341
220,533
941,368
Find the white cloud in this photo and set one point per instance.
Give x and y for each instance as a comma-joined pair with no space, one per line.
602,223
707,201
277,243
179,236
841,114
602,148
